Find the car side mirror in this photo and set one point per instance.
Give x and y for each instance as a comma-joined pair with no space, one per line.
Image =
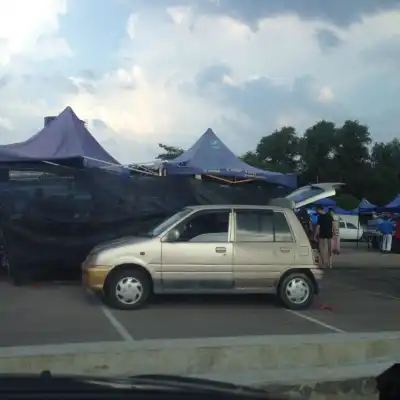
173,235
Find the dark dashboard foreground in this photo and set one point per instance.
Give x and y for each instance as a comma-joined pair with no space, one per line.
46,386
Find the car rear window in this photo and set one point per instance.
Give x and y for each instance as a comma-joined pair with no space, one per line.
262,226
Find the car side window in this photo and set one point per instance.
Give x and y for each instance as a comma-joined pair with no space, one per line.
204,227
342,225
262,226
351,226
254,226
282,228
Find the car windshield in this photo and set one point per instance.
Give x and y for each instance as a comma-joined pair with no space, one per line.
169,222
153,157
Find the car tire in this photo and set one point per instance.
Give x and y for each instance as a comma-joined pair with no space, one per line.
128,289
296,291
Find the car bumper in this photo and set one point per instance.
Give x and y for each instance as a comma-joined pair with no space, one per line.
318,274
94,277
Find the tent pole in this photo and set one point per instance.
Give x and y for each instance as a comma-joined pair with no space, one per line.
121,166
228,181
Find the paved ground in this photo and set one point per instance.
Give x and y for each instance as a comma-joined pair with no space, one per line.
359,300
352,256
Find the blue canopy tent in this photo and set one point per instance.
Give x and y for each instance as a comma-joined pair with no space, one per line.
339,210
365,207
393,205
65,140
210,156
8,157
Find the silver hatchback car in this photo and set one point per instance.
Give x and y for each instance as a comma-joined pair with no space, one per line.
224,249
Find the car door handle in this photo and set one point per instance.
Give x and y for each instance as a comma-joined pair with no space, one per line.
220,249
285,249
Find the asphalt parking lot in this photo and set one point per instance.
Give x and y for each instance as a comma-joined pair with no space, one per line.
354,300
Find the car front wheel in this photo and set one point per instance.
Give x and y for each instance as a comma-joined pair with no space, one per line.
128,289
296,291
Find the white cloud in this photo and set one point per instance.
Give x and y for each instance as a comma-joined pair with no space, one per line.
180,15
131,25
325,94
29,28
125,150
148,99
164,89
5,123
29,32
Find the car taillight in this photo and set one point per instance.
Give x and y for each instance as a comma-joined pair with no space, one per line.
316,257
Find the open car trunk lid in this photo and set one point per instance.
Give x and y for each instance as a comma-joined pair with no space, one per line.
308,195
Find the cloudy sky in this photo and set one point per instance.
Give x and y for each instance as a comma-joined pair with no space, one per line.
148,71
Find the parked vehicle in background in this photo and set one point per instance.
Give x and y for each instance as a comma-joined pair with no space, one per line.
354,219
350,231
209,249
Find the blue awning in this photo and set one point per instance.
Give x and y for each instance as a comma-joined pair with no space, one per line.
210,156
64,138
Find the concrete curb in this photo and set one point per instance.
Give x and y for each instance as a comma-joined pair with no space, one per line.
204,356
319,367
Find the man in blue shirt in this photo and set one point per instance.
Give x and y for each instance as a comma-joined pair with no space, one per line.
386,229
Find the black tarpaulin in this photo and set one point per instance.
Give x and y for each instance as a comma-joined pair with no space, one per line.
51,223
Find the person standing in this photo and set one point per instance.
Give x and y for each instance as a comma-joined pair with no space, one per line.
386,229
324,233
336,232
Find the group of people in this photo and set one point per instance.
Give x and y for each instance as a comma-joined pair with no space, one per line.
324,233
389,229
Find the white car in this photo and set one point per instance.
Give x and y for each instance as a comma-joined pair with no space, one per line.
350,231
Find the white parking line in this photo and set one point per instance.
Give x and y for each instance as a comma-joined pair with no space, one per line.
317,322
122,331
117,325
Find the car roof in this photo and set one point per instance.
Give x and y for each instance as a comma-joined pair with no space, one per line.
237,206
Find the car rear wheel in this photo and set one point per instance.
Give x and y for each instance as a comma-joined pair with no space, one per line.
296,291
128,289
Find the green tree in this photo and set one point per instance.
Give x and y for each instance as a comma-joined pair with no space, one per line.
347,201
170,152
384,179
251,158
386,154
326,152
279,150
352,158
351,146
316,149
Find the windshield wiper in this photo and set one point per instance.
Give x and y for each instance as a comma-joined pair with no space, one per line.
45,386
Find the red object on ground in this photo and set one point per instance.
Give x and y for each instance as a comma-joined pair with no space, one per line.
325,307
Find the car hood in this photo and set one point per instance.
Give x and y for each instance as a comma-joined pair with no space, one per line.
117,243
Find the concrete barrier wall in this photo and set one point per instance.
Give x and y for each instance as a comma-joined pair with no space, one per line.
281,360
187,356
